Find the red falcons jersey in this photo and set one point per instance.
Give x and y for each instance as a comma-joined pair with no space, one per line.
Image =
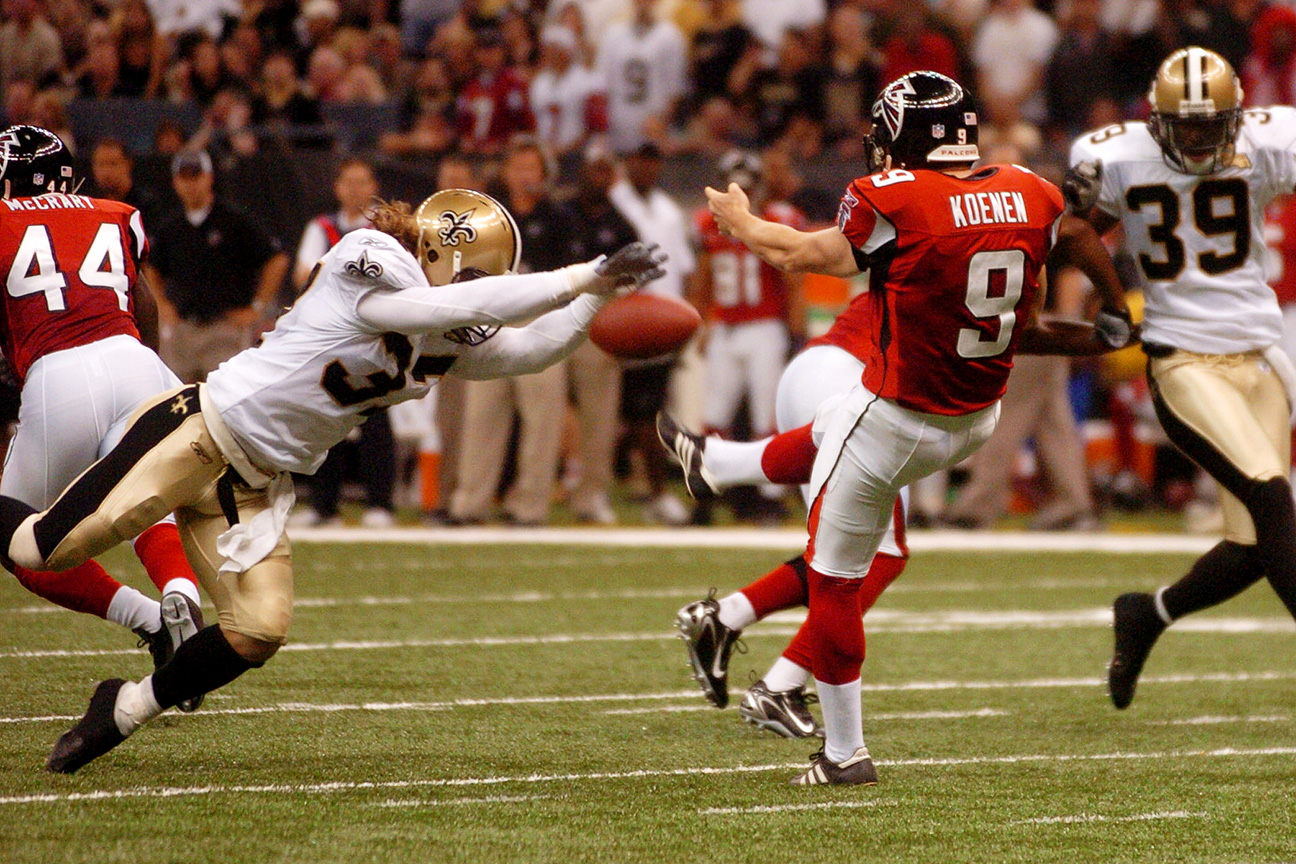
743,287
953,266
492,109
69,263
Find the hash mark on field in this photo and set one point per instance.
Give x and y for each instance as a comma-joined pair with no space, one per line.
489,799
457,782
1210,720
1085,818
782,808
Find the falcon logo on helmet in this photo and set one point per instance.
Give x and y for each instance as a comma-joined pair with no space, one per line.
922,120
1196,111
34,161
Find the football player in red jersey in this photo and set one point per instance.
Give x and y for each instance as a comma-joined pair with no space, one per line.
954,257
74,310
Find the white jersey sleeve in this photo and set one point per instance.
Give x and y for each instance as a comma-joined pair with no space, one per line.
1269,137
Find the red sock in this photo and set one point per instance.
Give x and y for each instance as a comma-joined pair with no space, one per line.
85,588
789,456
781,588
882,572
160,551
836,630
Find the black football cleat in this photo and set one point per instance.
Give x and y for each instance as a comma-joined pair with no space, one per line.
181,621
686,448
782,712
94,735
858,770
1137,626
709,645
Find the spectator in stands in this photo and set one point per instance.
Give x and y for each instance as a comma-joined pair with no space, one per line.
177,17
207,75
169,138
595,377
225,127
98,75
569,100
112,176
493,106
770,21
30,49
370,453
539,400
657,219
1011,52
314,29
644,66
141,49
49,111
281,104
853,80
216,274
426,114
325,74
420,20
719,44
519,40
361,85
1081,70
914,44
386,58
787,100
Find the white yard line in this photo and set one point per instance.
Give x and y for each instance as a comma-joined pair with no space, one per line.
903,715
1222,719
790,539
464,782
898,687
878,621
1085,818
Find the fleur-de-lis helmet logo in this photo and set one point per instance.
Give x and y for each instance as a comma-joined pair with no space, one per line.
456,227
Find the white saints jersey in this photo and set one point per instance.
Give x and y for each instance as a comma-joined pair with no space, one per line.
1199,240
322,369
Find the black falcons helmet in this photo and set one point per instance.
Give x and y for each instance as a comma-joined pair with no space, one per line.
34,161
922,120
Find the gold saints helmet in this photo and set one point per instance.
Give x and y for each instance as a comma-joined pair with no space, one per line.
461,230
1196,110
466,235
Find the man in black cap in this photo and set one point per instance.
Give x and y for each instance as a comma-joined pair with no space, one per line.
216,273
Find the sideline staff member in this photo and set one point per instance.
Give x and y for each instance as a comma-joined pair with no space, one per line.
215,271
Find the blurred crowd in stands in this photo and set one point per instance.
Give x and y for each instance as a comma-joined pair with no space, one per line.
578,114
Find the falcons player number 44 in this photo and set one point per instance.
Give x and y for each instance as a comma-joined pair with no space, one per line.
35,266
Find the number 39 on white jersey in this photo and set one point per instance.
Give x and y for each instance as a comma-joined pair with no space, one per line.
1199,240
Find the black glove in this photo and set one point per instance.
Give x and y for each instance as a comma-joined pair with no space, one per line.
1081,185
634,264
1114,329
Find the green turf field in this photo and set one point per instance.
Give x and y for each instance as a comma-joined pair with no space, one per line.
515,703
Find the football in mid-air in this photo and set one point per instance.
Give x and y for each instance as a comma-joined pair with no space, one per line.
641,325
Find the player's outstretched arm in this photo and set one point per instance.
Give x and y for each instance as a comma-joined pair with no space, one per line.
1079,245
826,251
497,301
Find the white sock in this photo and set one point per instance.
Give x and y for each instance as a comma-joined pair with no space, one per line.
735,463
22,545
736,611
786,675
133,610
185,587
843,719
136,705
